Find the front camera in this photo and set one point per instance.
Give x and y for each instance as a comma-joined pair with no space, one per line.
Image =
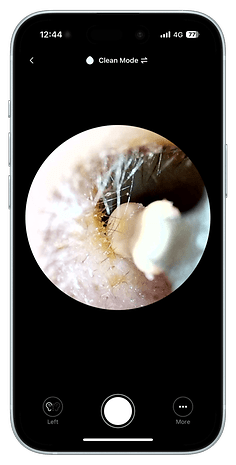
140,34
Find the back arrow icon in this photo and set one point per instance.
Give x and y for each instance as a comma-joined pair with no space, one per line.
31,60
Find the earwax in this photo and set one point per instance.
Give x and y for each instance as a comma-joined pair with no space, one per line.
121,227
143,234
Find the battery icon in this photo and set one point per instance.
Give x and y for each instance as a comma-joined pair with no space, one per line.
192,34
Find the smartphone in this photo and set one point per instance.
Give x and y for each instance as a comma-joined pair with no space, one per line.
117,193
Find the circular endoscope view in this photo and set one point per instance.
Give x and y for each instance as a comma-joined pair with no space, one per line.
117,217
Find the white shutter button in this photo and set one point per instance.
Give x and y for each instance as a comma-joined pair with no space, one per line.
118,411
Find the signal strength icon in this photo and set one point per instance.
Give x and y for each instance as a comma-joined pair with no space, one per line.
167,35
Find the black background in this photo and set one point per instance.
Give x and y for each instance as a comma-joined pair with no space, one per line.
83,354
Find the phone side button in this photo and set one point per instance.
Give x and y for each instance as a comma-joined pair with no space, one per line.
7,108
9,149
226,170
9,191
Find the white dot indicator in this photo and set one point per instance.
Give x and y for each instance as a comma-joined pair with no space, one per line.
89,60
117,411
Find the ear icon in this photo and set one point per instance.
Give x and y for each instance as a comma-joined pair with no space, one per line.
49,406
56,406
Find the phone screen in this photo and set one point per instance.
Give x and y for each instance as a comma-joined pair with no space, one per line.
117,208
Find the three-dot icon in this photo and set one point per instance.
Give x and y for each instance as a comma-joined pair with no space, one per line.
183,406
